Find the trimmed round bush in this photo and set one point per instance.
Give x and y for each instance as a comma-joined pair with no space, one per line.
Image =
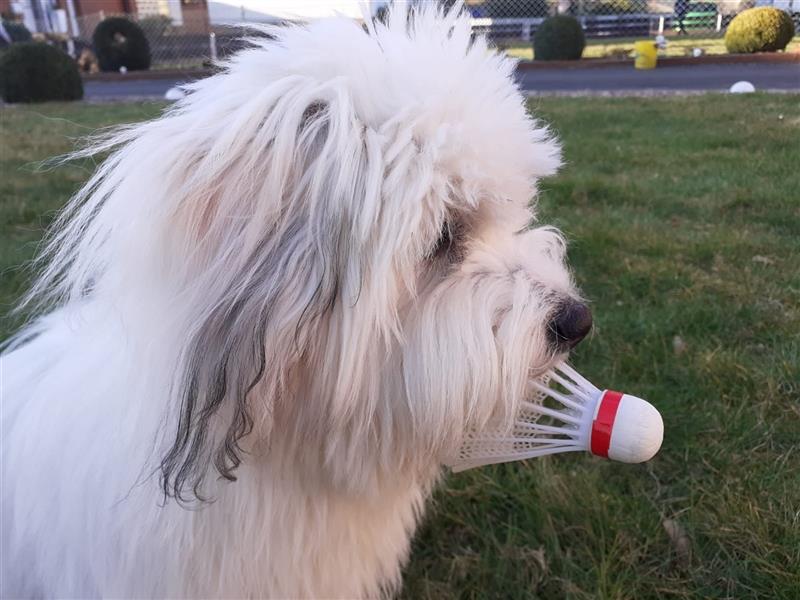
119,42
17,31
35,72
559,38
763,29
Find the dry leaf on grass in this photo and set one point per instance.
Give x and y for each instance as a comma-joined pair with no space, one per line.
679,540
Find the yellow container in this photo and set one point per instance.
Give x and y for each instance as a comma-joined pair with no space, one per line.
646,55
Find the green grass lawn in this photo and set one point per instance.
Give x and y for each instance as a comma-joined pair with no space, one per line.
622,47
684,216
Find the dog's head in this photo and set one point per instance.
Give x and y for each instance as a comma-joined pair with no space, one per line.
343,219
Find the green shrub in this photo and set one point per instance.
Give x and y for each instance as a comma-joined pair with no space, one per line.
119,42
17,31
559,38
517,9
35,72
614,7
763,29
155,26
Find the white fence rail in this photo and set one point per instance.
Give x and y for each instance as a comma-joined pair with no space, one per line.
594,26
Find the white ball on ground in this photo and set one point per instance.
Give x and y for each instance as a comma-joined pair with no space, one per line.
174,93
742,87
123,69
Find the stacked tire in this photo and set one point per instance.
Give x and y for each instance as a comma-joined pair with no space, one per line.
119,42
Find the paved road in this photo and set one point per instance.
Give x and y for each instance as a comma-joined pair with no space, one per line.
775,76
133,89
782,76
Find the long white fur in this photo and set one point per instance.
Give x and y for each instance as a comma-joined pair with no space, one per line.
274,231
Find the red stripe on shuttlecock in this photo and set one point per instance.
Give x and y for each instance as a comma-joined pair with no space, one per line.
604,422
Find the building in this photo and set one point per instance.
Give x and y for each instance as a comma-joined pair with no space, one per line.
71,16
231,12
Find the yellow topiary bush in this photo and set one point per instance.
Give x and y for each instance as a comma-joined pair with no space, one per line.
764,29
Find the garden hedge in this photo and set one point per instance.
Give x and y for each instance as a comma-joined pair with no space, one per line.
35,72
17,31
559,38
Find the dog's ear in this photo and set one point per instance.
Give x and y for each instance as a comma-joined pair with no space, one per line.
258,282
224,360
237,362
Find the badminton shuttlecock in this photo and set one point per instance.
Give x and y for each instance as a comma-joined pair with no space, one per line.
566,413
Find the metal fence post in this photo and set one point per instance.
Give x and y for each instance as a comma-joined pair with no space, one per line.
661,24
719,22
73,22
212,43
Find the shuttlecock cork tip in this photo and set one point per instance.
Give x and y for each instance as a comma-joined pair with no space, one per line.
626,428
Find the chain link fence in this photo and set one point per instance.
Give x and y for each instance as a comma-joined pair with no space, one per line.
609,25
515,21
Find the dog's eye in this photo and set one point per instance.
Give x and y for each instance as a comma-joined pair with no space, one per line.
449,244
444,241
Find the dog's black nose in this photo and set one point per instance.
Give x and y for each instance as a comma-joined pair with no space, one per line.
571,324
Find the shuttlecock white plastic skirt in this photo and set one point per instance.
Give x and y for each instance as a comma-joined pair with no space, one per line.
566,413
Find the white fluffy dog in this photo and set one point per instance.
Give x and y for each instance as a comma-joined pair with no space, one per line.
272,314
